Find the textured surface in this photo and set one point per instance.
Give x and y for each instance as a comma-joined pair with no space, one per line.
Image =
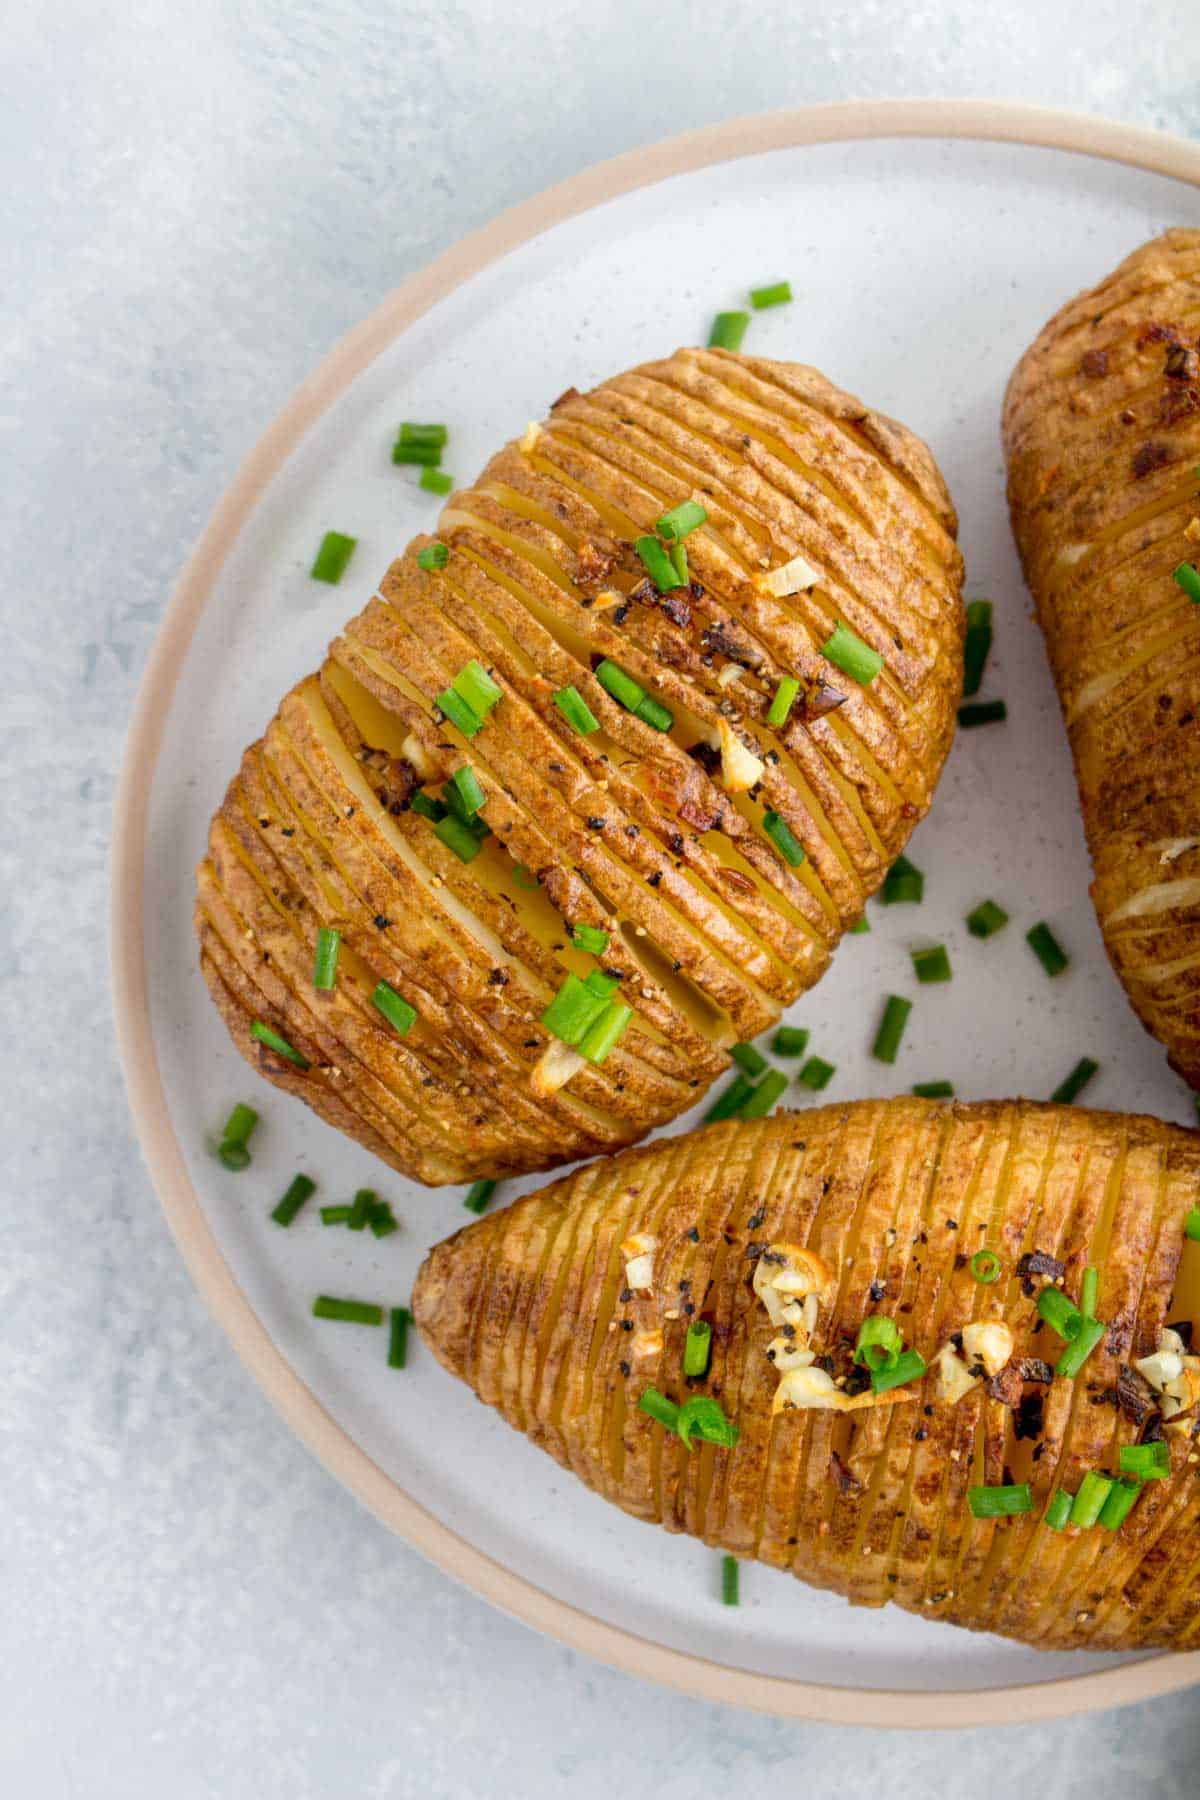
198,203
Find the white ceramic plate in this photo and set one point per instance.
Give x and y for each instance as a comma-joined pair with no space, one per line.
921,269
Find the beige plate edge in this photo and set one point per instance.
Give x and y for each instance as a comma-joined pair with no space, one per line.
844,120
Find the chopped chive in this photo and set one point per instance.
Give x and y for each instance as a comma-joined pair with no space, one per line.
576,711
859,928
459,713
657,1406
478,1194
776,293
398,1337
1120,1502
816,1074
233,1157
1076,1081
573,1011
1187,576
981,712
590,938
932,964
332,558
679,562
524,878
623,688
749,1060
460,800
412,433
469,790
299,1189
784,840
891,1028
1080,1348
909,1366
458,837
433,556
265,1035
1000,1502
1089,1291
658,564
986,919
1061,1315
428,806
680,521
1149,1462
239,1125
879,1343
847,652
783,701
364,1200
728,330
985,1267
705,1418
398,1013
325,962
978,643
606,1033
790,1040
904,884
1191,1225
1088,1503
934,1090
730,1100
697,1348
602,982
335,1215
729,1581
1046,948
474,685
765,1095
422,455
351,1312
436,481
1059,1510
653,713
382,1220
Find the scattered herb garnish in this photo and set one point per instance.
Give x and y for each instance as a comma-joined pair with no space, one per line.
398,1337
932,964
776,293
982,712
1000,1502
325,961
978,643
299,1189
891,1028
1046,948
331,559
728,330
847,652
1074,1084
986,919
271,1038
350,1312
903,884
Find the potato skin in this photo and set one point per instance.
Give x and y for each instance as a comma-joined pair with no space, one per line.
711,931
529,1307
1102,434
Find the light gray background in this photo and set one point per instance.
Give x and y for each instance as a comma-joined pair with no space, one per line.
194,203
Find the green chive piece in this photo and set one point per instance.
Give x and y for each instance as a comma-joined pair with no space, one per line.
382,1220
816,1074
1149,1462
573,1011
879,1343
458,837
982,712
749,1060
705,1418
469,789
1061,1315
576,711
909,1366
1000,1502
623,688
474,685
422,455
364,1200
240,1124
680,521
728,330
679,562
765,1095
325,962
233,1157
784,700
1046,948
1076,1081
781,835
1191,1225
335,1215
590,938
986,919
601,982
398,1337
350,1312
1089,1291
730,1100
459,713
398,1013
978,643
891,1028
412,433
273,1041
790,1040
932,964
1187,576
1080,1348
331,559
859,928
697,1348
428,806
776,293
523,878
934,1090
433,556
299,1189
659,1407
478,1195
1088,1503
1059,1510
657,564
729,1581
606,1033
653,713
847,652
435,481
904,884
985,1267
1121,1500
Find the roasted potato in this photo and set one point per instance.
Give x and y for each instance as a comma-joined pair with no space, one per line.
1102,432
716,856
782,1237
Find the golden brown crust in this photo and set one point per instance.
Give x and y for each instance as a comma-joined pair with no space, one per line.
711,931
530,1308
1102,431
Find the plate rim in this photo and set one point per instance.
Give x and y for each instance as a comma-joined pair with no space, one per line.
834,122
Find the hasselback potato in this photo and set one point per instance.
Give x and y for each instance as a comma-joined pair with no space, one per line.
1102,431
687,800
957,1226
